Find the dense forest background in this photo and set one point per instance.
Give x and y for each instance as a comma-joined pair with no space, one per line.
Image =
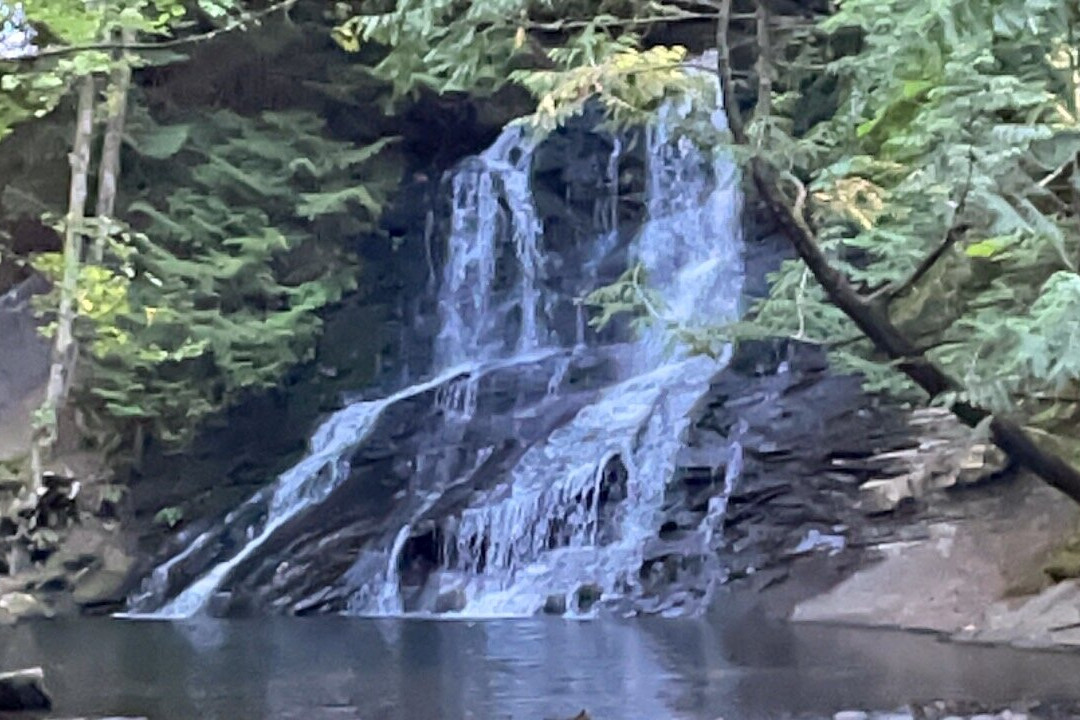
203,182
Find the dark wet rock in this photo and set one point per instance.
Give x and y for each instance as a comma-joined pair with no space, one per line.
450,601
447,462
555,605
24,690
587,596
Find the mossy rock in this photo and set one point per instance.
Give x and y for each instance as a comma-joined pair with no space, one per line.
1064,563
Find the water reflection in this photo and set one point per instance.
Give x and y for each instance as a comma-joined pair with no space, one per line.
312,669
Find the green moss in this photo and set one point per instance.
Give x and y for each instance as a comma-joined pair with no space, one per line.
1064,564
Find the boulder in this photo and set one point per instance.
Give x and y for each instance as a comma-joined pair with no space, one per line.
17,606
555,605
106,585
24,690
587,596
452,600
965,574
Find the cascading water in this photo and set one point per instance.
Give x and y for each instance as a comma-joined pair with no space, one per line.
493,214
543,534
309,481
574,510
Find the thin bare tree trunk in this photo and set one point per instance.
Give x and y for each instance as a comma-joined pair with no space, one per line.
64,346
727,86
116,96
764,61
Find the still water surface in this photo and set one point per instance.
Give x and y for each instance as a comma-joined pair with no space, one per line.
322,668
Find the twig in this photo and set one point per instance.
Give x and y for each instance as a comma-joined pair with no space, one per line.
1052,176
800,300
560,25
952,235
850,340
238,24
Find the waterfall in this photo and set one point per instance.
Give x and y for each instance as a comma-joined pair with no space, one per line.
309,481
545,533
559,524
569,516
493,217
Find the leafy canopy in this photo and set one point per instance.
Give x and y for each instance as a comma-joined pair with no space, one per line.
218,290
951,126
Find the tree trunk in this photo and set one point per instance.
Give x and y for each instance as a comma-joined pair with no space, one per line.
116,96
64,346
764,62
874,322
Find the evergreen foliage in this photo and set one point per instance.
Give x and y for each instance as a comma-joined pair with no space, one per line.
951,133
957,129
954,135
227,274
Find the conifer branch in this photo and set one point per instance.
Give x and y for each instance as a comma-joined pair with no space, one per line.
681,16
238,24
952,236
874,322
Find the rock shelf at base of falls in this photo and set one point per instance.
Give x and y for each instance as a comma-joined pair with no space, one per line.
962,552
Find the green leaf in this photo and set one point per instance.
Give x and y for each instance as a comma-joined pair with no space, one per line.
162,141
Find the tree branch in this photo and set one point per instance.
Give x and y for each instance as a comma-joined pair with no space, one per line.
952,236
116,97
908,358
681,16
239,24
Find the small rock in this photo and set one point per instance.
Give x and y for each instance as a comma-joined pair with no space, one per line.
587,596
107,584
24,690
21,606
452,600
555,605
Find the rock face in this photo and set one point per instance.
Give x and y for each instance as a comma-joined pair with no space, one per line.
24,690
797,490
846,509
954,565
414,463
24,367
768,474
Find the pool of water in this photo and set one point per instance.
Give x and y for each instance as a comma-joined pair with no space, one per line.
315,668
